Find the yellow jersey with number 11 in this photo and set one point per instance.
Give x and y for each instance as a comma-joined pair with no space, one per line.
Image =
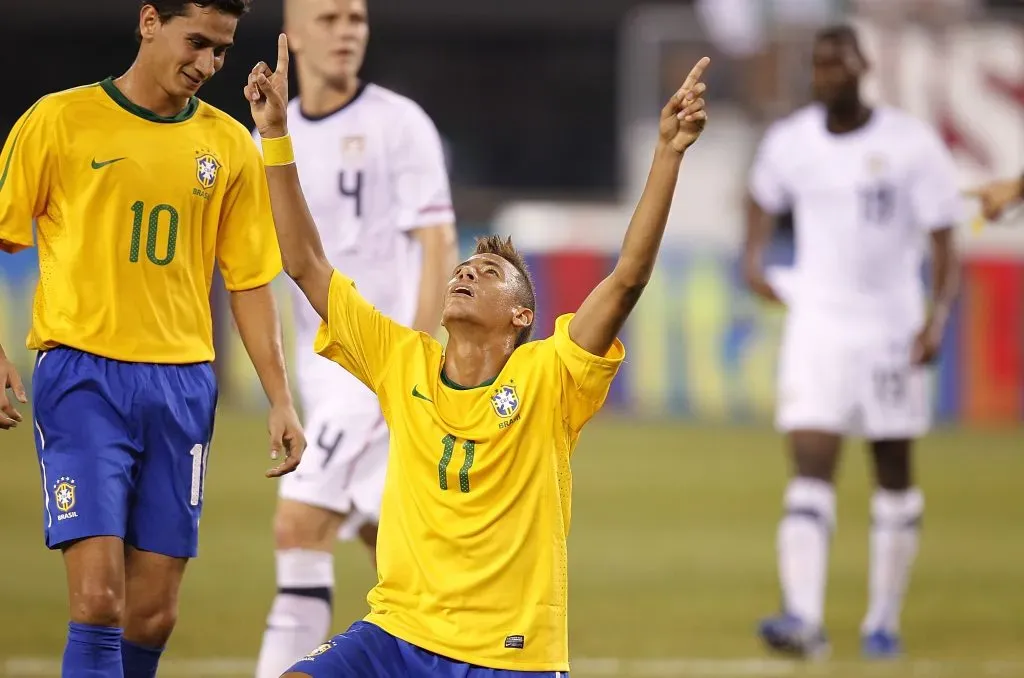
471,552
132,212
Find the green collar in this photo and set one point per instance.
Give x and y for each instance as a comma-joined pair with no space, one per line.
121,100
457,387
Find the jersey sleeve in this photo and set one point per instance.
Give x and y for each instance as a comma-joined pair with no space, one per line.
419,175
356,335
586,378
934,191
247,249
767,181
26,169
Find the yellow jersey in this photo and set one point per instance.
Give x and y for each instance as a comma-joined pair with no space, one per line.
471,549
132,211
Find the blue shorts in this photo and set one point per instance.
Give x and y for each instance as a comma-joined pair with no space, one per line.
122,449
368,651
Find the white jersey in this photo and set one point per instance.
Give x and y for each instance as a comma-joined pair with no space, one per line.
371,172
862,203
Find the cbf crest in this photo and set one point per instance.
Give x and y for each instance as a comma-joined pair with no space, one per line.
320,650
505,401
207,167
64,497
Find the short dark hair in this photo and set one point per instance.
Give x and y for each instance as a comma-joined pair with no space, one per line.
843,33
494,244
168,9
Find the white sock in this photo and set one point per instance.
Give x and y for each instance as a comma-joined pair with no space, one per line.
895,522
803,543
300,617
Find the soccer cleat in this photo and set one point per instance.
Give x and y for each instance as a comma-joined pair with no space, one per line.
881,645
789,635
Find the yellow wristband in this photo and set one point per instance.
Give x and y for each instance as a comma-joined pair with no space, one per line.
278,151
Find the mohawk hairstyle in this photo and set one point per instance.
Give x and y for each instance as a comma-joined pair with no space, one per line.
168,9
494,244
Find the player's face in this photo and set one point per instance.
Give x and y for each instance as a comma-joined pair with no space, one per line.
836,72
330,37
189,49
484,290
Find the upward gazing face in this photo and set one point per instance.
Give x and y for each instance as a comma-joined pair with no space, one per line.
486,291
836,70
187,50
329,37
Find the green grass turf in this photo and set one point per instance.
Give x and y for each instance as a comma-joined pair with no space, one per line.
672,547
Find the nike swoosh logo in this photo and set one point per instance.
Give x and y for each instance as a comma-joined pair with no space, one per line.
416,394
98,165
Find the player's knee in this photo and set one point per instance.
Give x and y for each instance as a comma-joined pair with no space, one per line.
815,454
98,605
892,464
153,626
300,526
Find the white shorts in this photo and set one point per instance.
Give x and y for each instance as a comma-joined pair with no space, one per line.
343,467
850,381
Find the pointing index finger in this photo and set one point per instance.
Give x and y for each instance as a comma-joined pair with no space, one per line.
282,54
695,73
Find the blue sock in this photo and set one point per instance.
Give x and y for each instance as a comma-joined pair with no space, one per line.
92,652
139,661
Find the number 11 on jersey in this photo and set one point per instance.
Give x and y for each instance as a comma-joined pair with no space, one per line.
469,447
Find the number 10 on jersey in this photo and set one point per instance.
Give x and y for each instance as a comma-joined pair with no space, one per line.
469,447
139,209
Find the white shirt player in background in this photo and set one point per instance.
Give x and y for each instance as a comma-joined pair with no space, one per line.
372,169
868,189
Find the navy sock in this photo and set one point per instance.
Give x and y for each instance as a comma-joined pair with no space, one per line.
139,661
92,652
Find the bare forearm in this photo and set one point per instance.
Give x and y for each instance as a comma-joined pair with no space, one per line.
255,313
945,276
647,227
439,255
760,227
297,236
604,311
302,251
431,297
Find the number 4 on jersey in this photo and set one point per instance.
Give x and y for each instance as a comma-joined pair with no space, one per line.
469,447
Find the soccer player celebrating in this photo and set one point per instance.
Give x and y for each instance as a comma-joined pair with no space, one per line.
476,507
867,186
373,171
137,189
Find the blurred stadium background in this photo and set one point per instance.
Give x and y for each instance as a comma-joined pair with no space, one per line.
547,110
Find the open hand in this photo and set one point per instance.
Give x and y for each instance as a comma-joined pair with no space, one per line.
267,94
287,438
927,344
9,379
684,117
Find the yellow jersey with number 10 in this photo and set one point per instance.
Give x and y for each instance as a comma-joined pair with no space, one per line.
471,551
132,212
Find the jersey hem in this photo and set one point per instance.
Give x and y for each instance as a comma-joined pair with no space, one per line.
262,281
13,246
436,648
51,344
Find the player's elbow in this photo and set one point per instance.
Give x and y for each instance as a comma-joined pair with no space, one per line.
630,282
300,266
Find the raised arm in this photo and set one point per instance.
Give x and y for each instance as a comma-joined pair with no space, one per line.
604,312
302,252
